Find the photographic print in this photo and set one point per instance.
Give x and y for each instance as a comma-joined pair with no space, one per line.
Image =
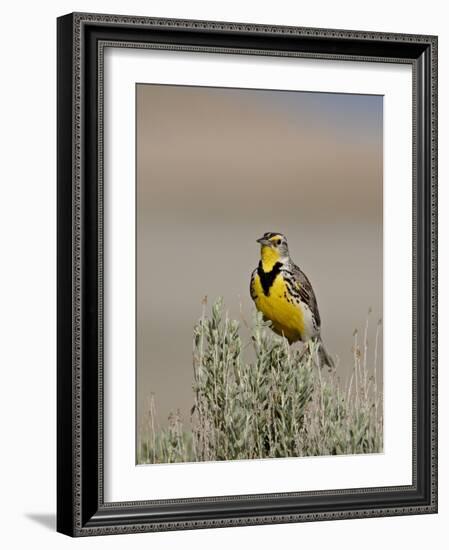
259,274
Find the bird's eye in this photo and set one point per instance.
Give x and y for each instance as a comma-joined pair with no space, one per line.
278,242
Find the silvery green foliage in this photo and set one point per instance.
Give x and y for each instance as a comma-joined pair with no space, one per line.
278,404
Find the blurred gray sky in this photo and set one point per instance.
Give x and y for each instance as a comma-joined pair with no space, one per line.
218,167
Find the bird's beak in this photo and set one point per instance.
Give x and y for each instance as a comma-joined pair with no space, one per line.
264,242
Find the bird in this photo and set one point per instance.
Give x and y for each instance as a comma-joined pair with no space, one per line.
284,295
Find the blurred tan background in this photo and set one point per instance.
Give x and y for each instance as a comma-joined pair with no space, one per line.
216,168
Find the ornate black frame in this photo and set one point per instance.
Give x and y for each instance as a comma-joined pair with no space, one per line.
81,509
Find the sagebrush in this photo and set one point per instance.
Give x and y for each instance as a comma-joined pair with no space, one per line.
279,404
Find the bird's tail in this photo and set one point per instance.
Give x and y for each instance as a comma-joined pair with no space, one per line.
323,357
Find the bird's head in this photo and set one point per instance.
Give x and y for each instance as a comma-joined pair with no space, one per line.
273,248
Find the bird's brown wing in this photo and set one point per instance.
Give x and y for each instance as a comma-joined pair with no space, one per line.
304,287
251,285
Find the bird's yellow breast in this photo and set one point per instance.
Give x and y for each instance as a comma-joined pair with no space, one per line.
287,317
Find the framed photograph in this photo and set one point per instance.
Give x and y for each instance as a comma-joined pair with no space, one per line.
247,278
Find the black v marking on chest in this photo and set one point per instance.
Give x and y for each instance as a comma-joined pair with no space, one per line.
267,277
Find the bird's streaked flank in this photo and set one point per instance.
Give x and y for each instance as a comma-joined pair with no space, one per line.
284,295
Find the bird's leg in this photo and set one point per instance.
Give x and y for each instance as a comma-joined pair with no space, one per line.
309,348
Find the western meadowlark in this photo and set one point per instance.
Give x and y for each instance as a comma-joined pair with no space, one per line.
283,293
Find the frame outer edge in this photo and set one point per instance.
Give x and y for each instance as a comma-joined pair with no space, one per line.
260,28
69,452
434,271
77,273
